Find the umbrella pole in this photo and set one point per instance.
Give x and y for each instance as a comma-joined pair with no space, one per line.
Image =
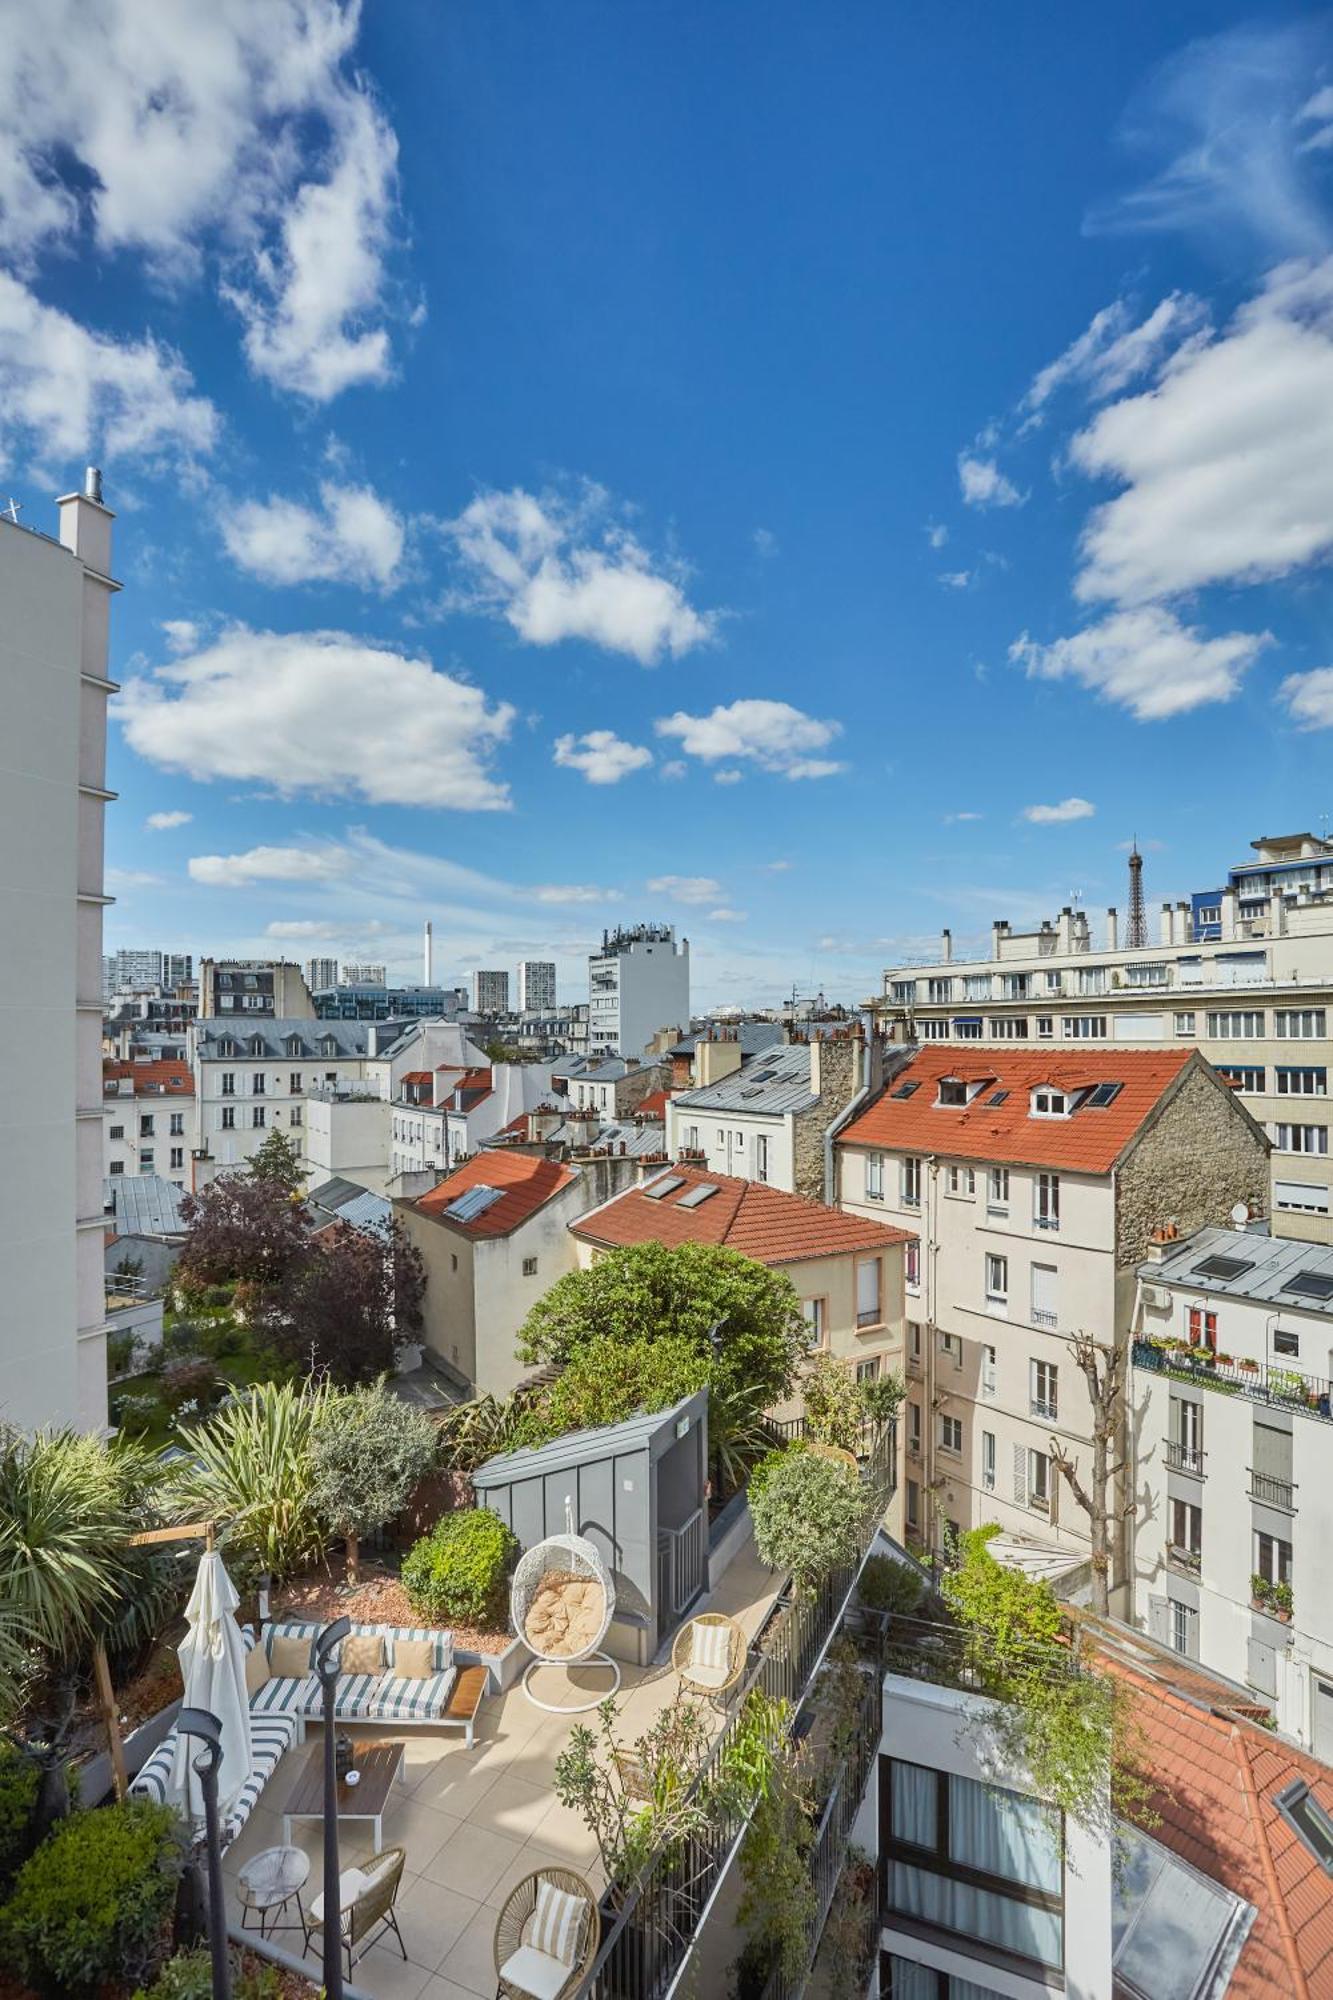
106,1701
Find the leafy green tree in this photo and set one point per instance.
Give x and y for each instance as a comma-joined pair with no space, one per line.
250,1469
742,1318
368,1450
609,1380
278,1162
808,1513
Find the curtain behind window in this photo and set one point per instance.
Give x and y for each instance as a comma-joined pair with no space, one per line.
1000,1833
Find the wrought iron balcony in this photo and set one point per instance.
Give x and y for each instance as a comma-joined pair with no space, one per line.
1273,1492
1185,1457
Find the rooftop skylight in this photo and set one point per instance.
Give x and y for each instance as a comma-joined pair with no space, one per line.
667,1185
1308,1820
697,1195
474,1201
1223,1267
1311,1285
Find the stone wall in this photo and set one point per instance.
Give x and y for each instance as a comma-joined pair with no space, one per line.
1200,1157
841,1073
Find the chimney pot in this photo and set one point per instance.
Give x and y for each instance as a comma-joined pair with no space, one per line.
92,484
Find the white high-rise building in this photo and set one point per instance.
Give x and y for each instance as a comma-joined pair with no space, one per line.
56,599
536,985
364,975
490,992
638,983
321,972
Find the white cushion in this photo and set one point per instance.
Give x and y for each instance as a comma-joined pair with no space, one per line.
710,1646
707,1677
557,1923
350,1884
535,1972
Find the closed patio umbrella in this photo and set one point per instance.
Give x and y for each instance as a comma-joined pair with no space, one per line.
212,1657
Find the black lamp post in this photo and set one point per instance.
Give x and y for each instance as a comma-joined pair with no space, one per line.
326,1666
203,1724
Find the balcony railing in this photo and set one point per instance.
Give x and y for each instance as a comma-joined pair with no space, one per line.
1044,1407
1041,1317
1285,1388
1273,1492
648,1936
1185,1457
1190,1560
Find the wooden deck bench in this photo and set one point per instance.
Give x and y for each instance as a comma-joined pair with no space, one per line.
465,1699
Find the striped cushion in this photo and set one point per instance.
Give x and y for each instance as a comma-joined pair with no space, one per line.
557,1923
285,1695
402,1700
353,1694
710,1646
270,1737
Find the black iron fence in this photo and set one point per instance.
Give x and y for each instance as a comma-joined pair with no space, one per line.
649,1930
1287,1388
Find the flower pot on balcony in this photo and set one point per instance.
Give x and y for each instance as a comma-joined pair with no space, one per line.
1249,1367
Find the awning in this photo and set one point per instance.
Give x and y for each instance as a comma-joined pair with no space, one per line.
967,1020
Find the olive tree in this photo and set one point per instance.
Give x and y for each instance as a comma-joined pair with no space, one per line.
368,1450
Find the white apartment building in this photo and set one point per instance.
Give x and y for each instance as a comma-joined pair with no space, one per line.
55,605
1231,1421
148,1119
1034,1180
359,975
638,983
490,992
139,971
442,1119
1244,973
254,1077
321,972
536,986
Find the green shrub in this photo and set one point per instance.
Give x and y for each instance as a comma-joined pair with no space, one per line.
90,1904
887,1585
461,1569
119,1352
217,1338
180,1339
19,1779
189,1976
135,1413
807,1515
610,1380
189,1381
217,1296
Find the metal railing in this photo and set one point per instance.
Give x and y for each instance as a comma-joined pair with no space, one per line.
1045,1407
682,1563
1185,1457
1273,1492
648,1935
1286,1388
1186,1559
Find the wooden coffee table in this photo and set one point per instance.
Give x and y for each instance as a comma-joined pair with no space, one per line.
378,1763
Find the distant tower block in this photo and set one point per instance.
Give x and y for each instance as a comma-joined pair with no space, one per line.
427,957
1136,927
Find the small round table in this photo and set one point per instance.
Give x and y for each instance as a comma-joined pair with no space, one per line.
268,1884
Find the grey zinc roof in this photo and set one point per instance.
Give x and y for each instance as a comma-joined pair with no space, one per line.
339,1200
776,1080
752,1036
144,1204
636,1433
610,1070
1274,1262
352,1037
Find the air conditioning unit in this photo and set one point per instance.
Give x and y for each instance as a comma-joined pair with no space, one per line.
1157,1297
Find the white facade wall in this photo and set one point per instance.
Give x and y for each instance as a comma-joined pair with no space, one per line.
348,1137
536,986
1289,1665
635,990
972,1358
229,1128
54,627
751,1146
168,1145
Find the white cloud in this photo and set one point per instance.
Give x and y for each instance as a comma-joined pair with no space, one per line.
555,570
961,818
1228,115
777,867
685,888
984,485
603,757
727,777
936,534
765,543
1227,464
67,393
181,634
1112,350
773,734
673,769
571,892
322,713
355,538
131,878
726,916
164,821
955,579
1145,660
200,135
1317,111
1308,698
1061,815
302,927
269,864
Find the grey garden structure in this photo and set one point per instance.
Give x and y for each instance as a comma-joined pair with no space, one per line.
638,1492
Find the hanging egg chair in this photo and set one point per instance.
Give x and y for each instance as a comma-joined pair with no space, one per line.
561,1601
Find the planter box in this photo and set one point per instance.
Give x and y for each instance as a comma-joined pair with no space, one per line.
503,1668
95,1778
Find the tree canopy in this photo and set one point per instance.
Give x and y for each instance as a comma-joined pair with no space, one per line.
278,1161
242,1227
368,1450
742,1318
350,1306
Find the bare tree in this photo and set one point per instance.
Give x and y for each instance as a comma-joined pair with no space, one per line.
1103,1369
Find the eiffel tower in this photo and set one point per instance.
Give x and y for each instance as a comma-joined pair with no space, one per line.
1136,929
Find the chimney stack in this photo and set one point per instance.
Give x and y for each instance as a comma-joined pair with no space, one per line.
1112,929
947,948
427,956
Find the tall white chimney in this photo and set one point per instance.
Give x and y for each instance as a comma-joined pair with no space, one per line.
427,957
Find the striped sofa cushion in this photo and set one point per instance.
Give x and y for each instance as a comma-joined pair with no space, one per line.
353,1694
287,1696
270,1737
396,1700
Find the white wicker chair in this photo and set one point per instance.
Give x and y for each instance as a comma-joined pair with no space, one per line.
563,1555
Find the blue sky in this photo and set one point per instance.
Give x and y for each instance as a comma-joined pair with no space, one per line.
811,474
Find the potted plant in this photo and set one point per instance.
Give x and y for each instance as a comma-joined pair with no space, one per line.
1260,1592
1248,1366
1282,1601
1223,1360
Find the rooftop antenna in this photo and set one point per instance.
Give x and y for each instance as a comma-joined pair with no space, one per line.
15,508
1136,929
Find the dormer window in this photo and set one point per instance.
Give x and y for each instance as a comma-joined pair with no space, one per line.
329,1046
295,1046
1047,1102
227,1047
256,1045
952,1091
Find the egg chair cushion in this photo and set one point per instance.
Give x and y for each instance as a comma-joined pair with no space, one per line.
567,1615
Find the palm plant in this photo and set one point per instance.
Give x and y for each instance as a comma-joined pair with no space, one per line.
472,1432
250,1469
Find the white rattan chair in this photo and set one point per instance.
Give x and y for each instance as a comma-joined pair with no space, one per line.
567,1556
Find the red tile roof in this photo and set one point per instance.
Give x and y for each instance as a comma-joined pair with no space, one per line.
1216,1776
654,1105
152,1079
524,1183
1089,1141
418,1076
761,1222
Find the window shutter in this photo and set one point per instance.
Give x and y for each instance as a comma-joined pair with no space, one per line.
1021,1475
1261,1672
1044,1288
867,1287
1272,1452
1159,1620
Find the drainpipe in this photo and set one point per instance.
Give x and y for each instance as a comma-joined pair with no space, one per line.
930,1216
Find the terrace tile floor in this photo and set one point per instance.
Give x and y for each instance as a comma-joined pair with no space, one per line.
474,1822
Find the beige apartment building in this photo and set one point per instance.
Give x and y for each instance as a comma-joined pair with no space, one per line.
1243,973
1033,1180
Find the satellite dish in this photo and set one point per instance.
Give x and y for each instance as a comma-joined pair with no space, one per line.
1240,1213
